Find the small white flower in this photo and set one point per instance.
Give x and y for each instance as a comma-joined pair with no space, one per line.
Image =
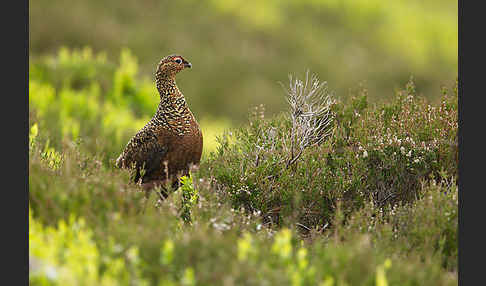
402,149
51,272
409,153
365,154
416,160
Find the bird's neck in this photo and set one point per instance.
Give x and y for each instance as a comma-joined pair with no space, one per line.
172,102
166,85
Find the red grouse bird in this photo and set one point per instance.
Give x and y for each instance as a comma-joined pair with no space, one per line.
172,140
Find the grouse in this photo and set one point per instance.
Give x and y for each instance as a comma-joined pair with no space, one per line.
171,141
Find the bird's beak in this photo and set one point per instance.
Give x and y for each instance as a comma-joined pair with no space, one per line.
187,65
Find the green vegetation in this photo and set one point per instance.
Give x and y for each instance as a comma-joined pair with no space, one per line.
383,152
240,49
374,204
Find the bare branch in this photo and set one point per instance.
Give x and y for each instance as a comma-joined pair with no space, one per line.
310,114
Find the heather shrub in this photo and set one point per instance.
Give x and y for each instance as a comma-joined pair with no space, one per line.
380,152
427,226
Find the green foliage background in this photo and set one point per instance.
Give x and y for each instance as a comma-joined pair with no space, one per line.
240,49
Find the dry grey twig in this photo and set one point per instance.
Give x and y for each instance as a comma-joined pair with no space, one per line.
310,114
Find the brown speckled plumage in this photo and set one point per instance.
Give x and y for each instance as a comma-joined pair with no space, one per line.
172,139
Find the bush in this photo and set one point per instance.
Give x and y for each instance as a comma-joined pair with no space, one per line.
381,152
368,199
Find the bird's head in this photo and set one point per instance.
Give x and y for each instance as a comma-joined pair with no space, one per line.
171,65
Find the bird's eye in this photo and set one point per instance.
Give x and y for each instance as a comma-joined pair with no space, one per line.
178,61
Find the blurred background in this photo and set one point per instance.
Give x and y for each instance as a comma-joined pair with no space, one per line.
242,49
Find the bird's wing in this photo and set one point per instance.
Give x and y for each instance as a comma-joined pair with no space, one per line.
151,161
143,151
